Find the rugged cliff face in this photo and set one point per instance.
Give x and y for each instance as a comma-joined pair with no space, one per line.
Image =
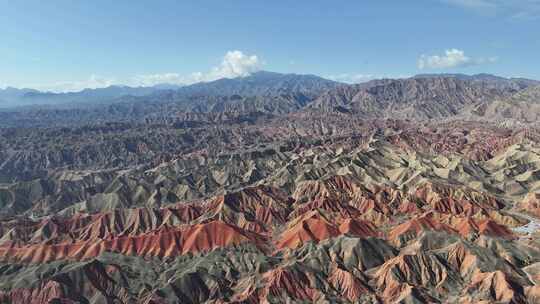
337,201
414,98
384,211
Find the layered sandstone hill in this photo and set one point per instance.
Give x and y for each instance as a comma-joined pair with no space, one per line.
298,190
391,217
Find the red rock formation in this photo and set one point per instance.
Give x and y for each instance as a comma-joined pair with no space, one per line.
47,292
400,277
467,226
105,225
335,187
378,199
497,286
314,226
359,228
160,243
457,200
349,286
412,228
266,204
309,228
288,282
338,207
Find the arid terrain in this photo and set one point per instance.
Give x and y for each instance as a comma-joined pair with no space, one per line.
275,188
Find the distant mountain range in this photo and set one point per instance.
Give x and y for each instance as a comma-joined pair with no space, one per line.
515,82
261,83
257,84
12,97
427,96
419,97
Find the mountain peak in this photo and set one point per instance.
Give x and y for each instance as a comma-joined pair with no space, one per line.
261,83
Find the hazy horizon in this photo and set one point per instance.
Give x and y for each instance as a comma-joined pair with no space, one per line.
165,84
75,45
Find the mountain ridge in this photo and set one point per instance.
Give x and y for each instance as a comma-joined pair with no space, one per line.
261,83
257,83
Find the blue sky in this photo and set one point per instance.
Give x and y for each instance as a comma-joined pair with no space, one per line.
67,45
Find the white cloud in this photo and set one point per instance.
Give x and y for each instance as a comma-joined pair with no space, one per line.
93,82
234,64
165,78
475,4
452,58
351,78
515,9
